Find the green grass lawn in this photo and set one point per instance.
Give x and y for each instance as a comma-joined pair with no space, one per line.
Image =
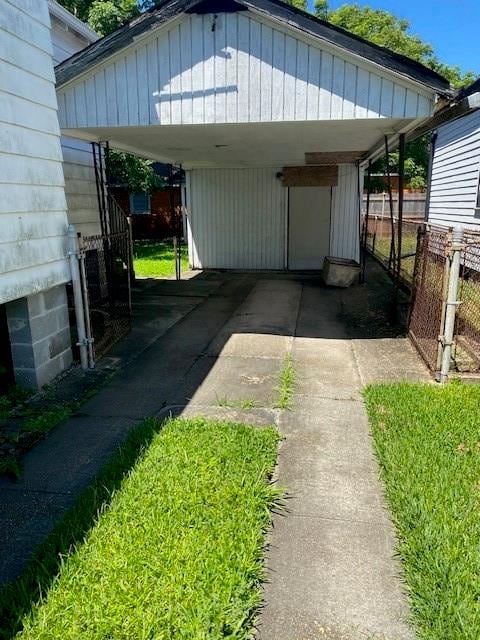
155,258
427,440
177,548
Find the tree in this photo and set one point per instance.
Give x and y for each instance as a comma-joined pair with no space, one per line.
321,9
135,173
299,4
105,16
387,30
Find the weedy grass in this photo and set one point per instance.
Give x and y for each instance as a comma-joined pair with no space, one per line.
176,548
45,421
15,397
240,403
427,440
156,259
10,467
286,386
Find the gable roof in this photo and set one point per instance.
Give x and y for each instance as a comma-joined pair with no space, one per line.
282,12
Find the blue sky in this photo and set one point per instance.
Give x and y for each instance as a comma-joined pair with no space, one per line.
451,26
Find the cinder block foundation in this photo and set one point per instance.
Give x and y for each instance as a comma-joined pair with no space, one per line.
39,336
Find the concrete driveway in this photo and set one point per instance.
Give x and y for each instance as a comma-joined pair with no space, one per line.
215,345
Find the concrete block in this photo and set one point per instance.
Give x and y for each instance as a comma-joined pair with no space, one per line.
55,297
23,356
19,330
49,370
339,272
35,305
26,378
45,325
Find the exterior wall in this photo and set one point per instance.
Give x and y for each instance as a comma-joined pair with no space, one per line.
33,220
345,222
247,69
456,172
236,219
39,336
78,168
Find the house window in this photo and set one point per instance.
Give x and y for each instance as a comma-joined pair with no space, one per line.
139,203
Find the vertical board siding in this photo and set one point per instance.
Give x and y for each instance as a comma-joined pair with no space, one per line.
236,219
456,173
33,220
237,68
344,228
78,168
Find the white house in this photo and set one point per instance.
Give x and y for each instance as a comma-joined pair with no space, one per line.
33,207
69,35
454,194
271,111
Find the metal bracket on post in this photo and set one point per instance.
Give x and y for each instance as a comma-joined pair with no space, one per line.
447,339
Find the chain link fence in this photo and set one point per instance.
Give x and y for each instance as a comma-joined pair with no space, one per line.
378,232
428,310
467,329
429,287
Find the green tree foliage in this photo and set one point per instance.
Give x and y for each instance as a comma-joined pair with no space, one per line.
135,173
105,16
300,4
387,30
321,9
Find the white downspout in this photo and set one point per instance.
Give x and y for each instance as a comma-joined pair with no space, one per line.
74,253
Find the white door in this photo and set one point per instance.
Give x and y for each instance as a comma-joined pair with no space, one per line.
308,227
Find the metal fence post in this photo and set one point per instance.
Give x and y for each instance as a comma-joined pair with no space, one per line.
452,302
86,304
74,253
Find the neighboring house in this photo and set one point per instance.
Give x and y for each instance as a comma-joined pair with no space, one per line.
157,215
454,193
270,111
38,196
33,210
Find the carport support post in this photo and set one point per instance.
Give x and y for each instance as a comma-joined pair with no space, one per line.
452,302
401,186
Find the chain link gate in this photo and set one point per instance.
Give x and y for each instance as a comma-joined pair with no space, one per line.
105,271
430,280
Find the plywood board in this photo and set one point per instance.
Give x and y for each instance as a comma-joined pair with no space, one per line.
310,176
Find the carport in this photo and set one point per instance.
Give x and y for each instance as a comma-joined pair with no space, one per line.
272,113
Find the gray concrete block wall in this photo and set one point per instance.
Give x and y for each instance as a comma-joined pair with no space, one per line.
40,336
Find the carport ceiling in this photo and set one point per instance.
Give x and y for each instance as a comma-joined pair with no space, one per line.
237,145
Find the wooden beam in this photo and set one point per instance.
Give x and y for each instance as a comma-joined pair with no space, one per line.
333,157
310,176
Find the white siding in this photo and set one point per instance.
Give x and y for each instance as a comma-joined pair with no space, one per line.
455,173
236,219
243,70
344,227
33,218
80,186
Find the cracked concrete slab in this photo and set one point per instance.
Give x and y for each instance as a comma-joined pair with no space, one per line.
234,379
